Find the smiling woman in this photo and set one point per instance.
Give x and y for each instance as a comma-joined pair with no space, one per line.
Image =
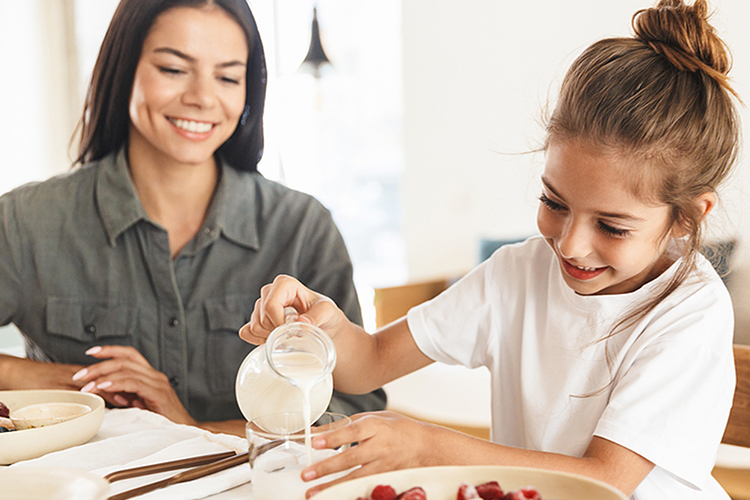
147,259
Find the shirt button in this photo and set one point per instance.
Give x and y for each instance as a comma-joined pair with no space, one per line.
174,322
174,382
90,328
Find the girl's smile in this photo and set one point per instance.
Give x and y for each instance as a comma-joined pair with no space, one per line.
606,239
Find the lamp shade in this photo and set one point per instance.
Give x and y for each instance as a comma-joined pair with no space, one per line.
316,56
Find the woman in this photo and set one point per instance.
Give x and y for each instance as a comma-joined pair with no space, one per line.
150,256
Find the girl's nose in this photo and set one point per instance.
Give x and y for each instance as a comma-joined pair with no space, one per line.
575,241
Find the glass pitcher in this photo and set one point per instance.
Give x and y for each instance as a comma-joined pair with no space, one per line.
295,363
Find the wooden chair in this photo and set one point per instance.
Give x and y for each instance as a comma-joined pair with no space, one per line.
392,303
737,481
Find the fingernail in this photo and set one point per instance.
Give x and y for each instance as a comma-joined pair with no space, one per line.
88,387
104,385
309,474
319,442
120,400
93,350
80,374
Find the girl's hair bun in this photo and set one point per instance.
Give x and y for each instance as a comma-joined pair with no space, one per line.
682,34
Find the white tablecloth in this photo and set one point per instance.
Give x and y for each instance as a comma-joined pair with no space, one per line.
133,437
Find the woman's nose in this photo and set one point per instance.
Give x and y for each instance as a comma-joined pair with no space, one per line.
575,240
199,93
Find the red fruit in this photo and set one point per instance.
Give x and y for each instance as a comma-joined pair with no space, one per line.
383,492
415,493
523,494
467,492
490,491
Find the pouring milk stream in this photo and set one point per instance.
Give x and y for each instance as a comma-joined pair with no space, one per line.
290,373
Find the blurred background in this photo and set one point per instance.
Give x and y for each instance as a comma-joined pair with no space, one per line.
418,135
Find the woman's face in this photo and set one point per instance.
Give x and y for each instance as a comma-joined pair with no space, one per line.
606,239
189,86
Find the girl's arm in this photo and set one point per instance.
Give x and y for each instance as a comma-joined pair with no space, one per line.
364,362
388,441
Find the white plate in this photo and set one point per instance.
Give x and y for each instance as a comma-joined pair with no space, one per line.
441,483
50,483
31,443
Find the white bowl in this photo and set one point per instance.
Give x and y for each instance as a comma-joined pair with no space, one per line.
441,483
51,483
31,443
41,415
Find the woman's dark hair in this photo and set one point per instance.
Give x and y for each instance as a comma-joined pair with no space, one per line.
105,122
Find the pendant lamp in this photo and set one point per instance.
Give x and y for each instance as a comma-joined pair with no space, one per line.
316,56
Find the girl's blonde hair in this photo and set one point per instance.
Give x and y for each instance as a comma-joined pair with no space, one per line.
661,98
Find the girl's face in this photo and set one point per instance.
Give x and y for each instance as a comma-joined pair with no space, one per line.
189,86
606,240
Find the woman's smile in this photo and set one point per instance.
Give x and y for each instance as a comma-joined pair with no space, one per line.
192,129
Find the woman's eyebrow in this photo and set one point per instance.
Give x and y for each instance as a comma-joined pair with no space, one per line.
191,59
609,215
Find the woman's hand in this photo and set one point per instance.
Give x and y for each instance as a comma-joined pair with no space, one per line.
127,379
22,373
387,441
286,291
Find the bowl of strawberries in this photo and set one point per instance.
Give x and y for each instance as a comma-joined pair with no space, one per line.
472,483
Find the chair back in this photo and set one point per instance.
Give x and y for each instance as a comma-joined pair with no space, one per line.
738,428
394,302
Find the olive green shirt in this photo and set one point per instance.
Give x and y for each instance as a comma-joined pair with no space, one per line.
82,265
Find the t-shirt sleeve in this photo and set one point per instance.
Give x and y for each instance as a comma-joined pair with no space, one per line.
671,398
455,327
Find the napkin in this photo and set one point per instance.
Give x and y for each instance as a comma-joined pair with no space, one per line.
133,437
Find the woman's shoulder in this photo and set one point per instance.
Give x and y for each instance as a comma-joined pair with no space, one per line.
274,196
56,191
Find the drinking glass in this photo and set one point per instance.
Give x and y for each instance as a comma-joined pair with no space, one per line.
277,458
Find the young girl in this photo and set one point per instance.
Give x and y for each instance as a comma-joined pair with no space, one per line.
609,337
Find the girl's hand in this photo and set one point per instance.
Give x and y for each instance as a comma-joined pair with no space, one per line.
127,379
286,291
387,441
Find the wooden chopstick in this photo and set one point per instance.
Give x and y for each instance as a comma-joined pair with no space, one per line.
188,475
167,466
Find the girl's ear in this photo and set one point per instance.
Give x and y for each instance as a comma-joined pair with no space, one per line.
705,202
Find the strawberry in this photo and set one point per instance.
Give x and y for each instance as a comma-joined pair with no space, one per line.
415,493
490,491
383,492
523,494
467,492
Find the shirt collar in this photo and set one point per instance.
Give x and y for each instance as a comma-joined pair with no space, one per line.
234,209
116,198
232,213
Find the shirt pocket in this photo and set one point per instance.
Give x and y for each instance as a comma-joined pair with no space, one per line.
225,350
90,321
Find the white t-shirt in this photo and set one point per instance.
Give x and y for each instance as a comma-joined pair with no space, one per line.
666,393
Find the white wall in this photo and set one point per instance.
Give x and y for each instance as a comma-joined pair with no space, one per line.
477,75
